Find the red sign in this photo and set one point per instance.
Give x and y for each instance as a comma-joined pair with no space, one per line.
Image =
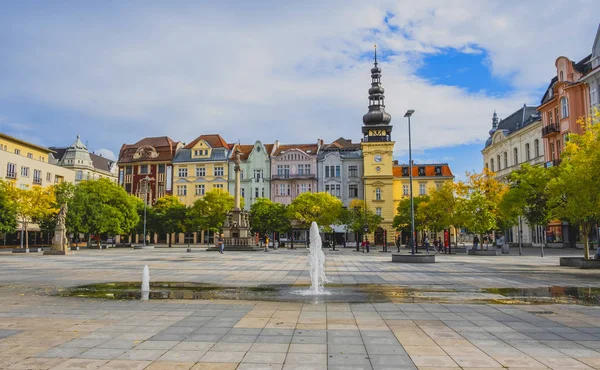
446,237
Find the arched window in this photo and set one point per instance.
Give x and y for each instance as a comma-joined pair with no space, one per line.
564,104
499,165
516,156
505,159
562,77
492,164
378,194
527,154
536,144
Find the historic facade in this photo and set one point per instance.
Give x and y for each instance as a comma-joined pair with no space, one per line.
87,166
146,169
592,79
340,170
255,174
378,148
199,167
515,140
293,170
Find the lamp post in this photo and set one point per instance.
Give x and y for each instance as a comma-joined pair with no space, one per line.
146,180
408,114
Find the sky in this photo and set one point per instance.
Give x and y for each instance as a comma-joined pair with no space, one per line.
115,72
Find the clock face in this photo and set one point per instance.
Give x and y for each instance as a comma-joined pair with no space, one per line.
378,158
377,168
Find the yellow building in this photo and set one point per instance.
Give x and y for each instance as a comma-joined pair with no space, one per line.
199,167
378,148
24,164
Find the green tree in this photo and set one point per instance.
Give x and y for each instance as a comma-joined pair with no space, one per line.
32,205
431,216
322,208
102,206
63,193
575,190
8,210
170,214
209,212
359,217
267,217
528,195
402,219
446,200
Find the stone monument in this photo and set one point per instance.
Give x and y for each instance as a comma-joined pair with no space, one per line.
60,243
236,228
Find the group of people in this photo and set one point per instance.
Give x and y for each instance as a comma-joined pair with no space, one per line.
438,245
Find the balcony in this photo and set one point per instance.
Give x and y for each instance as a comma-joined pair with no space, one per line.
37,181
293,176
11,175
553,163
550,129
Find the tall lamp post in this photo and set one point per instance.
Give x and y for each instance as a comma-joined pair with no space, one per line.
408,114
146,181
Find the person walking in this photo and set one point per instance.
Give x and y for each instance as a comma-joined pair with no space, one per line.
435,245
441,244
475,242
221,243
266,242
368,245
426,242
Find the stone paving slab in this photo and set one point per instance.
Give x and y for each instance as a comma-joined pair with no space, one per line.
40,331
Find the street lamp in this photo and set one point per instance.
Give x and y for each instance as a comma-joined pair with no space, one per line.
410,173
146,180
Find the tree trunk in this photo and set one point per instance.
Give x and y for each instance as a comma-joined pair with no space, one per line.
27,237
98,236
586,247
170,235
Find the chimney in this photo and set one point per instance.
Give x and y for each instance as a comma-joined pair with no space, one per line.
395,162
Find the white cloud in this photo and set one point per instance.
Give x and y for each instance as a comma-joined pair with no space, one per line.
266,71
106,153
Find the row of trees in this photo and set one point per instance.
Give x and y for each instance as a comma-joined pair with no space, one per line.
569,192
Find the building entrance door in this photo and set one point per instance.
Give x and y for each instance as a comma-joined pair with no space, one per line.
379,236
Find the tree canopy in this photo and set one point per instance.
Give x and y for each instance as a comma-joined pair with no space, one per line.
356,217
210,211
322,208
8,210
169,216
33,205
267,216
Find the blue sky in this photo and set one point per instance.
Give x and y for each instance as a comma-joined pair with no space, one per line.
115,72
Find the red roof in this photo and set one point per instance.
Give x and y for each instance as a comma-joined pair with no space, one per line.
214,140
164,146
429,170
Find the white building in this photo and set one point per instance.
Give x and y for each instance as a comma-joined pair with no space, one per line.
87,166
592,78
515,140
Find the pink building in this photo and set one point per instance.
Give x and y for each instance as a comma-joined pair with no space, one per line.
293,170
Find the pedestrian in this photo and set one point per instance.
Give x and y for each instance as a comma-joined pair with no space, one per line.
368,244
398,243
441,244
426,242
221,243
363,245
435,244
475,242
266,242
344,242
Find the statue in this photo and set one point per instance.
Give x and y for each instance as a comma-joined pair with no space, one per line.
60,243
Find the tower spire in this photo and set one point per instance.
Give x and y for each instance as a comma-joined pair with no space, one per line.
377,119
375,54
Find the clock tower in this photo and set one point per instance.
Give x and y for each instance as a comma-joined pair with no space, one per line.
378,148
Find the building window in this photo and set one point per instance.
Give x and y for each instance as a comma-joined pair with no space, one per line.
11,170
182,172
48,177
378,194
218,186
30,155
302,188
200,189
17,151
438,185
200,171
565,138
561,76
422,189
281,189
197,152
304,169
219,171
405,189
550,117
338,191
378,211
37,177
242,192
536,147
499,165
353,191
255,192
128,188
23,186
258,174
337,171
558,148
505,159
128,170
564,105
181,189
263,191
353,171
327,171
527,153
516,156
24,171
143,169
161,168
492,164
552,151
283,171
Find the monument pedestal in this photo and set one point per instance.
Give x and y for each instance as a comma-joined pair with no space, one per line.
237,234
59,242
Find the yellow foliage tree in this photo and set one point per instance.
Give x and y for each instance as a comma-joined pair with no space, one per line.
33,205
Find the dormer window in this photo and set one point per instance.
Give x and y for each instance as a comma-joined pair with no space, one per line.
421,171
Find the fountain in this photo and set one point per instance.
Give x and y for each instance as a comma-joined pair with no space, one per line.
316,258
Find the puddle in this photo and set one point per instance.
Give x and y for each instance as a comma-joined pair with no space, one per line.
365,293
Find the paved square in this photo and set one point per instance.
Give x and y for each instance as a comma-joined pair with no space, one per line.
40,330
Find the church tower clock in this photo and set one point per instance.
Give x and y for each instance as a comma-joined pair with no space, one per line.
378,147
